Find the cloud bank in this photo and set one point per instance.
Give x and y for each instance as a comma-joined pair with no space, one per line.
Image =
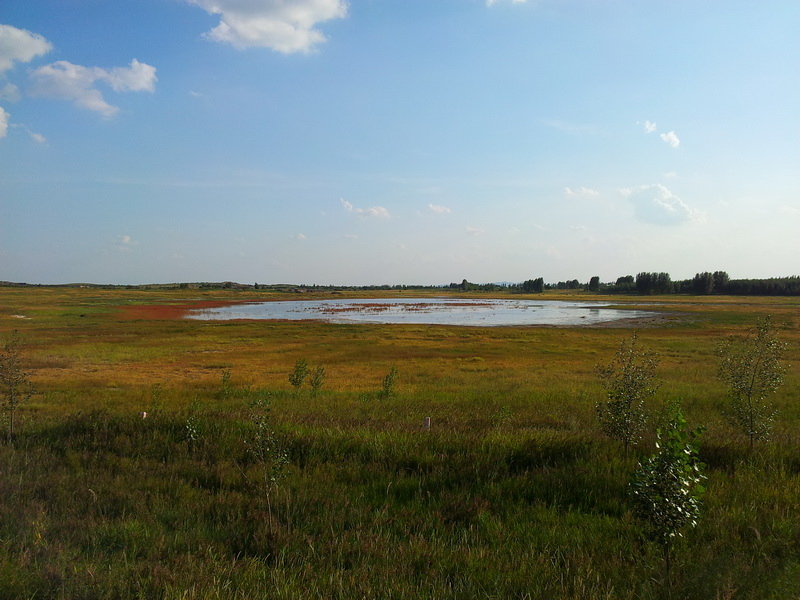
285,26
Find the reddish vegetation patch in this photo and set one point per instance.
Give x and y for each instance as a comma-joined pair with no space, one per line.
169,312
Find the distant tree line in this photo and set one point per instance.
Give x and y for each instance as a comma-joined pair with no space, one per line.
648,283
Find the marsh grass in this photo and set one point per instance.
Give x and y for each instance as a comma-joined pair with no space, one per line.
513,492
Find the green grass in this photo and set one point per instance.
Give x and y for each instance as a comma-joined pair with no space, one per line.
512,493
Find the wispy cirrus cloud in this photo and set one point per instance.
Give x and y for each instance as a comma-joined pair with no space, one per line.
493,2
474,230
63,80
10,93
373,211
581,192
658,205
438,209
285,26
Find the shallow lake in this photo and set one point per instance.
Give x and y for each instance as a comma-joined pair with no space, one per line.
430,311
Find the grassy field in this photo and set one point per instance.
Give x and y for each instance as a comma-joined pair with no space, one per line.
513,492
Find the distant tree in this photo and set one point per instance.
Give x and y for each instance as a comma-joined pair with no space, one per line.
751,367
628,380
15,387
703,283
664,284
654,283
721,280
594,284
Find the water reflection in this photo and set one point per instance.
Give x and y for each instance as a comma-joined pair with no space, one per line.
430,311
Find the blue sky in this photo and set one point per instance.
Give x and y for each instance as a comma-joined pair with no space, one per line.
389,141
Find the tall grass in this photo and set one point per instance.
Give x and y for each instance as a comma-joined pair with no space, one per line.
512,493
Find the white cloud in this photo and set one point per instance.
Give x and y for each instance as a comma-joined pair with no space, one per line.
66,81
285,26
300,236
649,127
3,122
474,231
658,205
139,77
581,192
373,211
441,210
671,138
20,45
125,243
10,93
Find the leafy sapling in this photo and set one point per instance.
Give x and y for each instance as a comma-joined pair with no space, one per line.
266,450
388,384
316,380
298,376
225,387
751,367
666,488
628,380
